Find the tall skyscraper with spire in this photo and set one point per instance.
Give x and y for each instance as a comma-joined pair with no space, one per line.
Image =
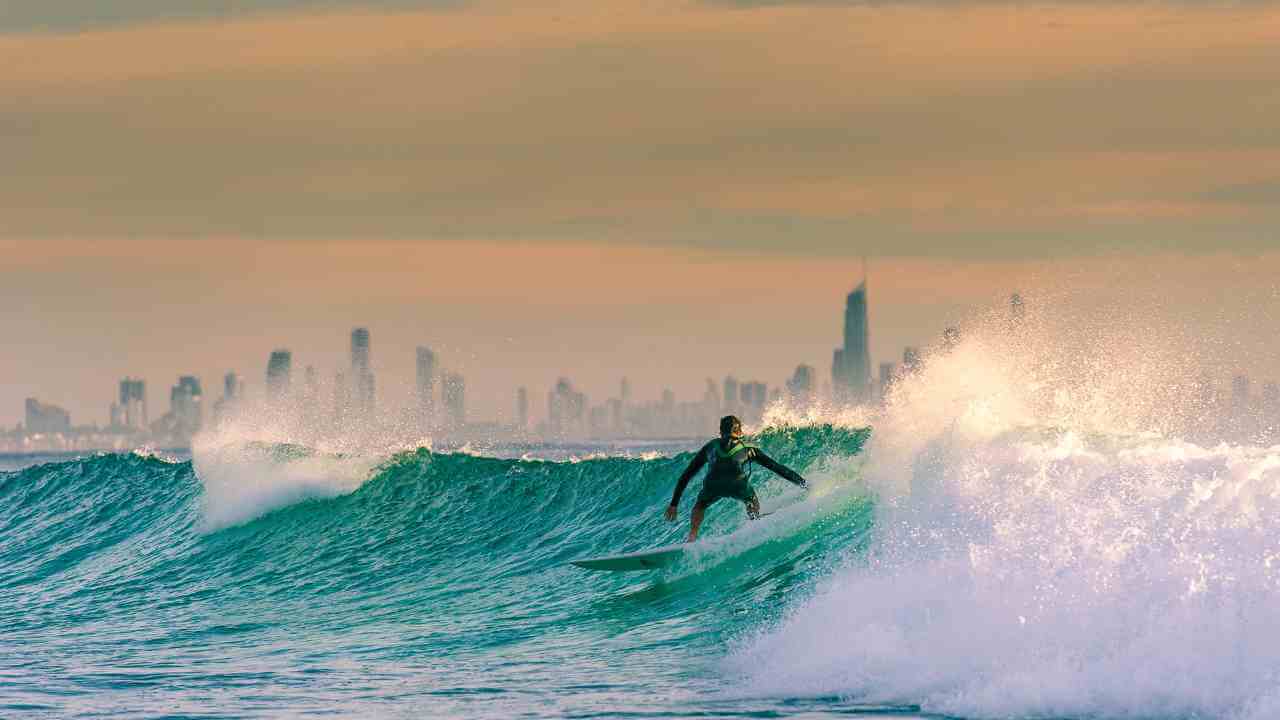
851,364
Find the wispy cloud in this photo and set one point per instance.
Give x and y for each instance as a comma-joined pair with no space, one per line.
913,126
78,15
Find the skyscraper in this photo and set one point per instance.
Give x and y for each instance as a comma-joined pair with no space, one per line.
801,386
341,398
186,405
42,418
310,389
851,363
133,403
232,386
232,390
729,401
711,398
1271,410
753,397
279,376
886,379
454,389
566,409
522,409
426,386
361,373
360,349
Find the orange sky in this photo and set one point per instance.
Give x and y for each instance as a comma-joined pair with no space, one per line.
587,188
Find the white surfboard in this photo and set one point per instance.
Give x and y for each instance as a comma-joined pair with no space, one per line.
666,555
641,560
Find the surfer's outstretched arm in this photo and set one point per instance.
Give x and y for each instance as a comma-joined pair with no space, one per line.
694,466
779,469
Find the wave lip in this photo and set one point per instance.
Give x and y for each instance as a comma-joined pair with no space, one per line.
245,480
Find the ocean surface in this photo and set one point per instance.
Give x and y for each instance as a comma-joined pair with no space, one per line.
940,567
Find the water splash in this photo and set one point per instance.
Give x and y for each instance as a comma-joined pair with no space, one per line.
1056,536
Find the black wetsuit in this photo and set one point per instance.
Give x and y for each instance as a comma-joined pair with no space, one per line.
727,475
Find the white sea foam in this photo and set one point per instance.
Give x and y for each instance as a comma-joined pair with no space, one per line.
244,481
1049,543
259,461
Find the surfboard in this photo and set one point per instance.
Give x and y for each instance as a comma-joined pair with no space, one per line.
665,556
652,559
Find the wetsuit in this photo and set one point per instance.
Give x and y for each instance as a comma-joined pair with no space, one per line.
727,474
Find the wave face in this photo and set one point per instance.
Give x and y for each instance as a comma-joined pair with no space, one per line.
268,579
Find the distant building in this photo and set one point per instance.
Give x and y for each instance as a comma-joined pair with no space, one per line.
887,370
753,397
232,386
711,398
361,372
232,393
522,409
454,389
279,377
801,388
598,421
341,398
624,392
566,409
426,385
1271,410
186,406
731,397
42,418
360,349
133,404
310,389
851,363
617,417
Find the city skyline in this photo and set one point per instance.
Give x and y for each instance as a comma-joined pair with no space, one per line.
570,412
355,396
903,286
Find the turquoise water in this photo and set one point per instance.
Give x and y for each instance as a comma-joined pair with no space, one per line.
419,584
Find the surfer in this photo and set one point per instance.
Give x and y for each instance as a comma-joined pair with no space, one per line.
727,458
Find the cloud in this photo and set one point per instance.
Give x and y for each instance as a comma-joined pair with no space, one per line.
77,15
1263,193
912,128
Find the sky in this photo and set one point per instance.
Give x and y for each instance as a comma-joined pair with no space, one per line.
665,190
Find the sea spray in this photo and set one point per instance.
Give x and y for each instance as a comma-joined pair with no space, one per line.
1059,533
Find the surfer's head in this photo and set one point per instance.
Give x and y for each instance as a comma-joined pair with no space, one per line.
730,427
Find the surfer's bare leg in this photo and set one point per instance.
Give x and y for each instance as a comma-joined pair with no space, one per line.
753,507
695,521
